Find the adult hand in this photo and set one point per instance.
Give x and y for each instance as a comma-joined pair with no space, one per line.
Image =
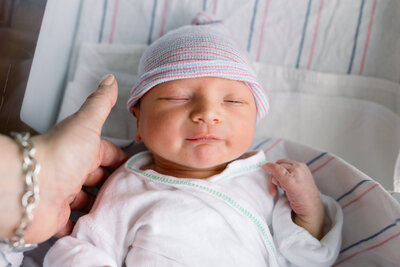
72,154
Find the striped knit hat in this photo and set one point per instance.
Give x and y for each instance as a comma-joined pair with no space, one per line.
203,49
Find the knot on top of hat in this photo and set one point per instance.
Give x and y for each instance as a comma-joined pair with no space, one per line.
204,18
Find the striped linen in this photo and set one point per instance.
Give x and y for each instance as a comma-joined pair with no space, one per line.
371,228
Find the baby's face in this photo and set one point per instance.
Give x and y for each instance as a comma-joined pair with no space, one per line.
196,124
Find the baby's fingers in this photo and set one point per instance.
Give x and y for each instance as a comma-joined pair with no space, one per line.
272,185
279,171
284,173
286,161
299,168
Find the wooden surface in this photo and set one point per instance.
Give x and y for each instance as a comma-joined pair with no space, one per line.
19,29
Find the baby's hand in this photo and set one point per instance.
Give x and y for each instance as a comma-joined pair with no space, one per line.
298,183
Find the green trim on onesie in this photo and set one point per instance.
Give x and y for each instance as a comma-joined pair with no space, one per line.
264,232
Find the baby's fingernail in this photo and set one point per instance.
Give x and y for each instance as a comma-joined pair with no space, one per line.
274,181
107,80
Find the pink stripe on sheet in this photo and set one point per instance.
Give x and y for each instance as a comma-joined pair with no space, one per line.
262,30
371,20
359,197
367,249
215,7
321,3
114,22
323,165
164,17
272,146
207,17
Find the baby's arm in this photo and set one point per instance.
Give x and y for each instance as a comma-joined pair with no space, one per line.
298,183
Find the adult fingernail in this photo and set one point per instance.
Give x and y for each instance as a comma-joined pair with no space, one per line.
107,80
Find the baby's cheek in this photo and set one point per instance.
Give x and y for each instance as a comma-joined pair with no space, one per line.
247,135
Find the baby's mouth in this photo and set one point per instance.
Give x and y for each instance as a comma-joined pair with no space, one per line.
203,138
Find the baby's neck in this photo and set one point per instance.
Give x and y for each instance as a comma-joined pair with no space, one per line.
184,172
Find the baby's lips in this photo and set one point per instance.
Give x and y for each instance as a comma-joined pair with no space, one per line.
204,138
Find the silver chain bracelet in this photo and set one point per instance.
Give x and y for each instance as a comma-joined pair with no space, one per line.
30,197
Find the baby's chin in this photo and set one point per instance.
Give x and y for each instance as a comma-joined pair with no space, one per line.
206,158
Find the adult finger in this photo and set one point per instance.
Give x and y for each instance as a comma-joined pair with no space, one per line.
66,230
96,177
97,106
83,202
111,155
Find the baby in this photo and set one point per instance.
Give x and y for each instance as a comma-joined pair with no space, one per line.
197,198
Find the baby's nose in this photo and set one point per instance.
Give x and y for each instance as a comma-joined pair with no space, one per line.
206,112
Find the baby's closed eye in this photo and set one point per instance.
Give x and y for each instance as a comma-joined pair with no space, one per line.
174,98
235,101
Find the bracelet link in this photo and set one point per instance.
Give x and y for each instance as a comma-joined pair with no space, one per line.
30,197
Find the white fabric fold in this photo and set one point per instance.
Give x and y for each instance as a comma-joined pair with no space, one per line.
297,244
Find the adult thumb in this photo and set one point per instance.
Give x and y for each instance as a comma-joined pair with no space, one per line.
98,105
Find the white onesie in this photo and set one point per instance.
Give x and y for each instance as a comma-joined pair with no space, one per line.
143,218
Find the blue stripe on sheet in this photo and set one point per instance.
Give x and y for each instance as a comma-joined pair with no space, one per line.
262,143
76,28
252,25
102,22
352,190
204,5
153,15
372,236
303,33
356,37
316,158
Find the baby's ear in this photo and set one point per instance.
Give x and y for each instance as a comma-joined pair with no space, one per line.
138,137
135,110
